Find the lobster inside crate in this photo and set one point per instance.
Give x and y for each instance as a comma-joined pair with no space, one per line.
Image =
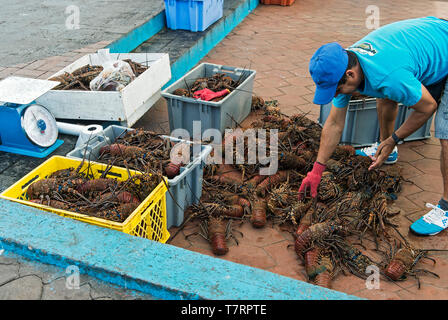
126,106
185,187
185,111
146,218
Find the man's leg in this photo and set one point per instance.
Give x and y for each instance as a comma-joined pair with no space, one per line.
387,113
441,132
436,220
444,168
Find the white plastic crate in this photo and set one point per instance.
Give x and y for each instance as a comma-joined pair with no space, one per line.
125,106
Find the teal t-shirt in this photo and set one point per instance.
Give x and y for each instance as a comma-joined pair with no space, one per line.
398,58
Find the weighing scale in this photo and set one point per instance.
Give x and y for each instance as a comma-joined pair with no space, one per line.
26,127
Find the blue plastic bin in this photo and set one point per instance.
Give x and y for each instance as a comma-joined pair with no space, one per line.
184,190
193,15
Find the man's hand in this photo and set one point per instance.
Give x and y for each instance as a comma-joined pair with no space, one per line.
312,180
383,151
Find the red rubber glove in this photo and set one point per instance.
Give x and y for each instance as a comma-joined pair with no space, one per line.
207,94
312,180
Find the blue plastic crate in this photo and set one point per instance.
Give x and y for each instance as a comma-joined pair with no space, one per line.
193,15
185,189
361,123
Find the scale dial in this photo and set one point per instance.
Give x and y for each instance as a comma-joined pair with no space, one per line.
39,126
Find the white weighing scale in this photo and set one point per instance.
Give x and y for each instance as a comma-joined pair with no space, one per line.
26,127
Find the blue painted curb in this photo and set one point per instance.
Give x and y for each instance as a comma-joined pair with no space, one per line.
161,270
139,35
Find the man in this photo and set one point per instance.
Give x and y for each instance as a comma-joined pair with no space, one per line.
397,63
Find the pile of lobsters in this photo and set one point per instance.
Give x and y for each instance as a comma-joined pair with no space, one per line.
332,231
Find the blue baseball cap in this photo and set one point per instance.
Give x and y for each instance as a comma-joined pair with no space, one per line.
327,66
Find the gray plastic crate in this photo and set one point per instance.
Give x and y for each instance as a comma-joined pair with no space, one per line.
361,123
423,132
236,106
184,190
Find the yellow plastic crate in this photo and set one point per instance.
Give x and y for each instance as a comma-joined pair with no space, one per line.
147,221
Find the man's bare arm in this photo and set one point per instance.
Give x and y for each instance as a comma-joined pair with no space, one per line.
423,110
331,133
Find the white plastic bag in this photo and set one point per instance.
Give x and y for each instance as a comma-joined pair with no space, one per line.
115,76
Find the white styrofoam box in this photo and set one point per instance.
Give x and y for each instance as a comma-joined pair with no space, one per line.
125,106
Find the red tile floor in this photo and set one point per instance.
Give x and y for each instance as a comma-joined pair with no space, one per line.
278,42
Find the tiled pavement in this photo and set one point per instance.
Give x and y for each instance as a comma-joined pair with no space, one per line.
278,42
21,279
